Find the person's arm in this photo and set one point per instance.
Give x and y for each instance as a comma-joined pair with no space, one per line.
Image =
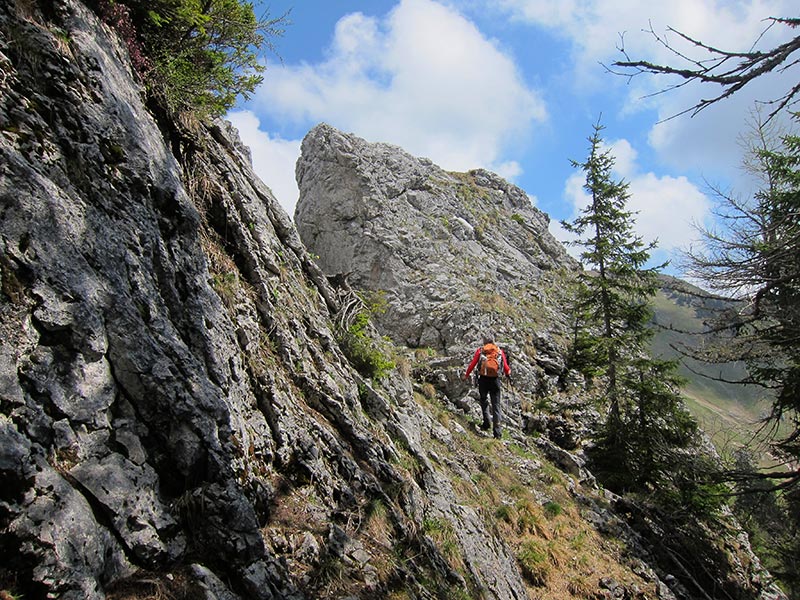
473,363
506,366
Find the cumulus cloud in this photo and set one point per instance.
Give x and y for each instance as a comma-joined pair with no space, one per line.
424,78
273,158
625,156
595,28
667,209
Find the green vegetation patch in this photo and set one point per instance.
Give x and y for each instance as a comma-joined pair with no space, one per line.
366,354
194,56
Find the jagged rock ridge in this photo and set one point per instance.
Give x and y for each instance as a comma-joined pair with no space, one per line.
178,417
431,240
448,256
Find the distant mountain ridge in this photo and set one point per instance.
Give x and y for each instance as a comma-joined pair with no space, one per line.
728,412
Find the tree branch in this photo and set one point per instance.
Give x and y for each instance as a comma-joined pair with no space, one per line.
747,66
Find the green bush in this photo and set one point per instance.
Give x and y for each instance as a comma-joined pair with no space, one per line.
534,563
552,509
365,353
194,55
504,513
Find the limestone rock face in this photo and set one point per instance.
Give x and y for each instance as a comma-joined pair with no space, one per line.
178,418
444,258
452,254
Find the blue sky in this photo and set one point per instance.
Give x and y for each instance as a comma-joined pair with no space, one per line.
515,86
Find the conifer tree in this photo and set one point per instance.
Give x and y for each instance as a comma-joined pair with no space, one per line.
195,56
612,298
754,255
646,418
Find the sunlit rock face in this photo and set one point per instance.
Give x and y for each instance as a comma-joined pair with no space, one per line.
449,252
177,414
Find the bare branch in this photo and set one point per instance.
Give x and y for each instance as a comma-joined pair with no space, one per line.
730,70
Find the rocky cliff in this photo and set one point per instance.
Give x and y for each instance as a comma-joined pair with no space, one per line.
179,416
455,252
445,257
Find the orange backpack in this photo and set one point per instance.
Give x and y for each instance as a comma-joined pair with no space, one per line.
490,361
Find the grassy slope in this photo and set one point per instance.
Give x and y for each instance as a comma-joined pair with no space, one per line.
729,413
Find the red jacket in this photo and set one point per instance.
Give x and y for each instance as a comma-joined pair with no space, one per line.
477,357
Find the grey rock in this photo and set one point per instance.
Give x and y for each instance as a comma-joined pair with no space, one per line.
446,256
424,238
212,587
127,495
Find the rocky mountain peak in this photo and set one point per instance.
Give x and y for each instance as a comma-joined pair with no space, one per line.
452,254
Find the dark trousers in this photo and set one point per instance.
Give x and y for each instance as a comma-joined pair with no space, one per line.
489,387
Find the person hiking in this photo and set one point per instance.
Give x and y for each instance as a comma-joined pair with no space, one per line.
492,363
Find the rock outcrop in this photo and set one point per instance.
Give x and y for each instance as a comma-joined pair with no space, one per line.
179,418
453,253
444,258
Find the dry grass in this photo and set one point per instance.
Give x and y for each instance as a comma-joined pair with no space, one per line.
560,555
224,273
428,391
145,585
443,535
377,535
26,9
377,525
299,512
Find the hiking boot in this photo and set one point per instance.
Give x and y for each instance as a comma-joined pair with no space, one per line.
498,434
485,426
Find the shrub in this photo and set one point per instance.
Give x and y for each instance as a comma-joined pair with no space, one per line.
552,509
533,560
363,351
118,16
194,56
504,513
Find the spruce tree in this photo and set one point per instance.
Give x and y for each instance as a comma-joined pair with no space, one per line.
646,419
612,300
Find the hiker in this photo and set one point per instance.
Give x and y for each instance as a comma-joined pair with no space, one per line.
491,362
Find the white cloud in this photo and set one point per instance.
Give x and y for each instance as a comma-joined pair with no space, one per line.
508,170
668,209
713,137
624,158
424,78
273,158
579,199
709,139
565,237
595,26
